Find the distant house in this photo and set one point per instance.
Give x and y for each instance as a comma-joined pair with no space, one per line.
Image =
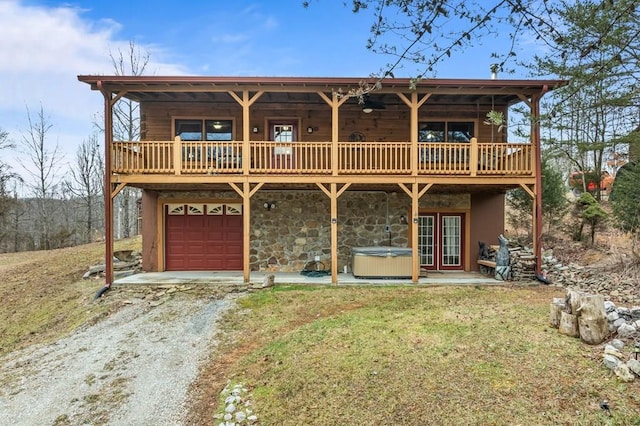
267,173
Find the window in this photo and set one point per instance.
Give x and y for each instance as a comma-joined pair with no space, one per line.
446,131
191,130
214,130
282,133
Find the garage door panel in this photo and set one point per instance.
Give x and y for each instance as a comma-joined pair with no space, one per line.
234,250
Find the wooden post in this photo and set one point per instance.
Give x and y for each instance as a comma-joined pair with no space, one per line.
334,233
108,199
537,167
473,157
177,155
246,231
415,214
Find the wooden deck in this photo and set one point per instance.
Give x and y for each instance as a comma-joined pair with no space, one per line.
322,158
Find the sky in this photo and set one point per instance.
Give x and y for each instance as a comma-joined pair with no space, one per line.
46,44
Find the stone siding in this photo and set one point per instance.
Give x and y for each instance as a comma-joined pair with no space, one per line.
298,228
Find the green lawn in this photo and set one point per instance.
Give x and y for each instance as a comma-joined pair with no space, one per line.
415,356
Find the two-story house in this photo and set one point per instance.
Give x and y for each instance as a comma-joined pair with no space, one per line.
267,173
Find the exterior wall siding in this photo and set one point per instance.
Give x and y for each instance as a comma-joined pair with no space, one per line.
149,231
487,222
385,126
298,228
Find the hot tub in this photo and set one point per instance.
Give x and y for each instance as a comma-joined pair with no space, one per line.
381,262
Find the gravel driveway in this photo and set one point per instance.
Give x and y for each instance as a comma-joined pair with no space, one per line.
133,367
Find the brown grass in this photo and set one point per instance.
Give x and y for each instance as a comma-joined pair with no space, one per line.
355,355
448,355
43,295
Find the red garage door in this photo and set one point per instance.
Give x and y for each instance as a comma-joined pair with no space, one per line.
203,237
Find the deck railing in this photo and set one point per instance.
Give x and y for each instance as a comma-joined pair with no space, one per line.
316,158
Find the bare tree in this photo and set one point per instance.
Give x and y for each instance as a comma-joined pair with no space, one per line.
599,106
424,33
126,127
7,203
42,166
86,182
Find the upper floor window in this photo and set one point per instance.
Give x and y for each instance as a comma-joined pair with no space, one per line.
446,131
213,130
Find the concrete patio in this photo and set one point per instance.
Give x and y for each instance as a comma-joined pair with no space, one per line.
236,278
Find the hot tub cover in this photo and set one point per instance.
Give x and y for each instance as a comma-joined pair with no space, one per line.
381,251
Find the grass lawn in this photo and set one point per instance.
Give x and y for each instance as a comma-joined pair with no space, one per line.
415,356
321,355
44,296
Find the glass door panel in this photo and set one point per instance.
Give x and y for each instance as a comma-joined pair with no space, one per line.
284,132
440,241
426,239
451,240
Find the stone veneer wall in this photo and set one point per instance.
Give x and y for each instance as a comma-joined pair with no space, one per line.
298,228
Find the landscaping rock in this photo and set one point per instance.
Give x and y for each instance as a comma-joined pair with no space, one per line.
624,373
269,281
624,313
610,350
617,343
609,306
611,361
125,263
634,365
626,331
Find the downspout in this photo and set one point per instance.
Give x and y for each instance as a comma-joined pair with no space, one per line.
108,201
538,194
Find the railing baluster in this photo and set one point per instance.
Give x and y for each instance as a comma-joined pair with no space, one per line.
212,157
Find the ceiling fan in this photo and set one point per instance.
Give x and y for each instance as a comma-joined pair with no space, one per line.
368,105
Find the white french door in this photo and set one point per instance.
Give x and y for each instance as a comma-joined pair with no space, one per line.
440,241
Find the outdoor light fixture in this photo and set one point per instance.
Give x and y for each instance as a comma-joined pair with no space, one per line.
309,129
255,129
367,109
269,205
403,219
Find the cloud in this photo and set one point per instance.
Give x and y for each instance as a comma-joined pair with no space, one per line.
42,51
230,38
35,38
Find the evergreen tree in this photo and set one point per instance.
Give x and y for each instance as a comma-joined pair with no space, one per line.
588,211
554,203
625,200
597,53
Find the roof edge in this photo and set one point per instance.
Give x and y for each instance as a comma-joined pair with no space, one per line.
349,81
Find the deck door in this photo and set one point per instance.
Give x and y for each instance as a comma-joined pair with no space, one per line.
285,132
440,241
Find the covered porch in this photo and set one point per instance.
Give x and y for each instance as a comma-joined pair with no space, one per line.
422,138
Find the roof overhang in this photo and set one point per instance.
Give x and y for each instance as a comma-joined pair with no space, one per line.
201,88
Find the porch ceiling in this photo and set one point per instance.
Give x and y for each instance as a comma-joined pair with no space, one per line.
304,90
435,189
